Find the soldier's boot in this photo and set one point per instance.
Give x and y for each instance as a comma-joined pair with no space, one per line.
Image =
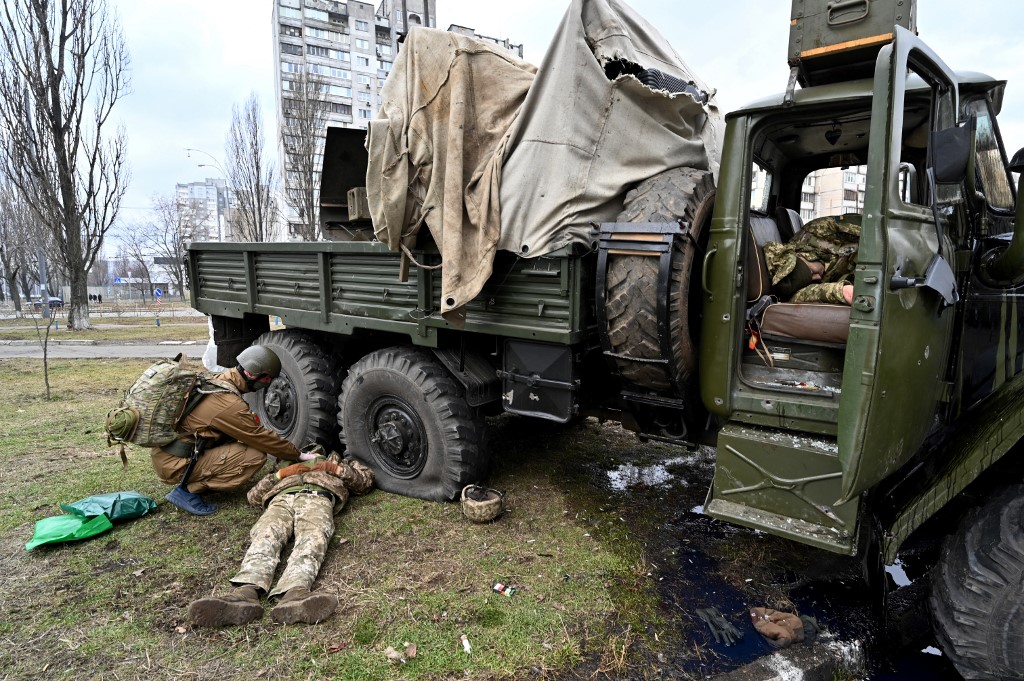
302,605
239,606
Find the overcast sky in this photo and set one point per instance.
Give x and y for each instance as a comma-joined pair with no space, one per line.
192,60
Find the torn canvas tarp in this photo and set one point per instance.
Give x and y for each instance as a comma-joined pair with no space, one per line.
582,140
435,152
487,156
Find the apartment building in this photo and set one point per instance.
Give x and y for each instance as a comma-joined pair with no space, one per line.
211,202
515,50
350,46
833,191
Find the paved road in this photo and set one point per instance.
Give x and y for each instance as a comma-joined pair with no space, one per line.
96,349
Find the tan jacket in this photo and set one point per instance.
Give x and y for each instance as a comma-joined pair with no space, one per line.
354,477
225,413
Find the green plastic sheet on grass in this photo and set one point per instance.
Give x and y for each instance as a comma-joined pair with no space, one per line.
89,517
116,506
64,528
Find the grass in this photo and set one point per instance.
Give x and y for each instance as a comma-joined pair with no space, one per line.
405,570
178,322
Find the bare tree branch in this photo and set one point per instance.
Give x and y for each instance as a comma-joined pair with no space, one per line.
176,222
22,237
133,254
251,174
306,110
63,68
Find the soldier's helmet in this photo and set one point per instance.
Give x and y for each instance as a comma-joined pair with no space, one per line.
260,361
481,505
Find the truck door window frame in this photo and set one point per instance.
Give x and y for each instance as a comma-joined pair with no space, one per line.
990,158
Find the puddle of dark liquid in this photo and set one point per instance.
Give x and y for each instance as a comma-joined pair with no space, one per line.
914,666
828,587
731,603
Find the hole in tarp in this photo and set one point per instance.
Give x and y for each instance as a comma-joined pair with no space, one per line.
654,79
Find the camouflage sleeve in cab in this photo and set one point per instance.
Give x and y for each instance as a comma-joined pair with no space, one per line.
831,292
830,241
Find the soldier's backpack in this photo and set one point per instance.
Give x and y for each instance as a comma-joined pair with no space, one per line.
151,409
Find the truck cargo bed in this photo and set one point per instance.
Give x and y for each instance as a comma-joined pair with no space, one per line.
342,287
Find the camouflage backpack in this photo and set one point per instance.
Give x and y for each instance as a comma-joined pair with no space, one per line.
150,411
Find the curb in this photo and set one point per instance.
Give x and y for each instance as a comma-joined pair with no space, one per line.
819,662
96,342
52,342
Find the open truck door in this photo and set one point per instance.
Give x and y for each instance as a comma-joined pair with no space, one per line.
896,374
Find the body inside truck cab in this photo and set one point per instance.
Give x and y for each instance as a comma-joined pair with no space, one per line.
842,426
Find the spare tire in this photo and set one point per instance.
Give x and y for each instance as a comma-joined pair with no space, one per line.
977,591
677,195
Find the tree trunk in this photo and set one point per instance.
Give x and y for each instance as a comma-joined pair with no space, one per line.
78,312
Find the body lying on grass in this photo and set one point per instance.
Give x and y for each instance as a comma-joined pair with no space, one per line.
302,499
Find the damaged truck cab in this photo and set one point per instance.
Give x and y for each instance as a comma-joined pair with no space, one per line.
932,331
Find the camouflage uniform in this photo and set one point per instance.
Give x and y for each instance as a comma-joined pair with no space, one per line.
829,240
293,503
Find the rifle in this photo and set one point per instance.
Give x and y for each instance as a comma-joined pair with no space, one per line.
197,451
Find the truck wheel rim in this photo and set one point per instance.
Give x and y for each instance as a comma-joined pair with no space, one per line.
279,403
398,438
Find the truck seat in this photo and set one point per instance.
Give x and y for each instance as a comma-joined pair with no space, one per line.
790,222
814,322
759,281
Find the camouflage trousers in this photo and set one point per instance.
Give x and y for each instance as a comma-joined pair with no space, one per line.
312,518
830,292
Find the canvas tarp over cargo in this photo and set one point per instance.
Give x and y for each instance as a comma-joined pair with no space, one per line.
463,123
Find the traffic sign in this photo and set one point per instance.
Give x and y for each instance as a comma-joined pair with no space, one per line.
117,280
158,292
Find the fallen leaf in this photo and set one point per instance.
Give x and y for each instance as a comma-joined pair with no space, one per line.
180,629
138,573
410,650
336,647
394,655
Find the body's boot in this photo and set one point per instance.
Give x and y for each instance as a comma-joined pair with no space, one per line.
302,605
239,606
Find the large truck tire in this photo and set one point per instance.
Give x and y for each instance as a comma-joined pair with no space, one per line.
680,194
300,404
977,594
403,415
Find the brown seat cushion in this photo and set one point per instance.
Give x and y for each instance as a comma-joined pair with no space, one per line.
807,321
762,230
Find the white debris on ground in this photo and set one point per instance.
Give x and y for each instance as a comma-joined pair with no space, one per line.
898,574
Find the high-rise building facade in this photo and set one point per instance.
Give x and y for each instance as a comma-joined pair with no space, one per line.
350,48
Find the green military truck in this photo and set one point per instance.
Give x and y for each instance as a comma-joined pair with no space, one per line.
843,427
